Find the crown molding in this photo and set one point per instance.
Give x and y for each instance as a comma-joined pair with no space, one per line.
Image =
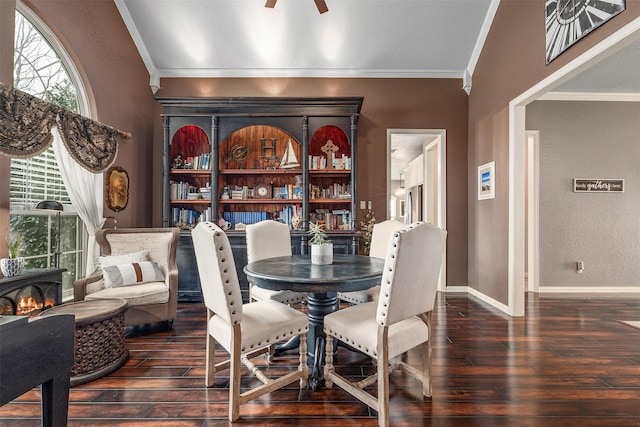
590,96
477,49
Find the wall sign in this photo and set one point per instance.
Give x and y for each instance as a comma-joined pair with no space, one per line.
591,185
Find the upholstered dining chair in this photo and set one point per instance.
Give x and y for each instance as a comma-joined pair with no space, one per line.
399,321
382,232
142,264
244,331
270,239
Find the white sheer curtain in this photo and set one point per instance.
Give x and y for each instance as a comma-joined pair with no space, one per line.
85,191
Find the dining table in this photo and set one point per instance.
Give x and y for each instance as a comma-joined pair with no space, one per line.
322,284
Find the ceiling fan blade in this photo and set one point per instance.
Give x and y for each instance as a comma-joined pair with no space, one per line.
270,3
321,5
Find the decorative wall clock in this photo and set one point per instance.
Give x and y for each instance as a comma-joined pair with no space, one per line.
567,21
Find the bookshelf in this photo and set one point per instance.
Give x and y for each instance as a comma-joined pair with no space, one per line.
235,161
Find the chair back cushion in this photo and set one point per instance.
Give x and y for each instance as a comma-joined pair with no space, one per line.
411,270
159,243
382,232
267,239
217,270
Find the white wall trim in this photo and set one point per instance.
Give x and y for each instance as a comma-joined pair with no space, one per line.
589,289
487,299
532,272
477,49
590,96
154,77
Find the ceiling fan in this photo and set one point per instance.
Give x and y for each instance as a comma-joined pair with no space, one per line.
320,4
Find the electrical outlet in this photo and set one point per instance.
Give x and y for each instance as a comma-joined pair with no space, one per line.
369,203
579,266
363,204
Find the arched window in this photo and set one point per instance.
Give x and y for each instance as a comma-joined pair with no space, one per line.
42,68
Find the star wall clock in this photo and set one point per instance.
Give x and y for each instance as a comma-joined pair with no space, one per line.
567,21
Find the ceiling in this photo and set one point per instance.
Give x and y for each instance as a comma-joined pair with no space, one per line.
355,38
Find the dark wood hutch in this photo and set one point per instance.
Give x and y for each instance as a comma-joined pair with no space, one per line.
236,161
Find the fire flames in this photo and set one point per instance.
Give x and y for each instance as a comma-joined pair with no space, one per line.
27,305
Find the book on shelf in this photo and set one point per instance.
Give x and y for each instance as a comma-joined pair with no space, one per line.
187,218
180,190
335,191
245,217
288,191
341,162
202,161
336,219
288,212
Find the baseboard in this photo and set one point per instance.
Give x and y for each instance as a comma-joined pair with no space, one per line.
546,290
485,298
589,289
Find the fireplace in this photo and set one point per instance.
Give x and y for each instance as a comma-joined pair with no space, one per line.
31,293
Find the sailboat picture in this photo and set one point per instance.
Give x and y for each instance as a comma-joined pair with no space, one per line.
289,159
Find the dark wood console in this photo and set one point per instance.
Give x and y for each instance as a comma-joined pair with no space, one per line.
38,351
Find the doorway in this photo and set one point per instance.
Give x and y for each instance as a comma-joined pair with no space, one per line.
416,159
517,154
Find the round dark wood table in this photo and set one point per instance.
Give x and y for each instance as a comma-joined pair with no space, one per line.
322,284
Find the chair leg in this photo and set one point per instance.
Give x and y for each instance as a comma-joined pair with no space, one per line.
303,361
426,358
426,368
383,377
271,352
234,380
210,370
328,358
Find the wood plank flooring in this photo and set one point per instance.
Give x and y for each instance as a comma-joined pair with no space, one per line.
569,362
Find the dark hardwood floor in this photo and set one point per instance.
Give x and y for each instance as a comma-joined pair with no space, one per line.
569,362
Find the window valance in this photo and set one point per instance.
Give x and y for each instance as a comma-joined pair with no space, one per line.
25,131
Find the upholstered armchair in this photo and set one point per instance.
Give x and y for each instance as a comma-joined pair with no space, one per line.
137,265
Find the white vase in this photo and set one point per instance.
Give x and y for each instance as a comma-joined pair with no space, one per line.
11,266
322,254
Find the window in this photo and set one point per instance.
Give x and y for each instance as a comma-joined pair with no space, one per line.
43,69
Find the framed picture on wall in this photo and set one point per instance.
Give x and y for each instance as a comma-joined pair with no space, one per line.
487,181
117,188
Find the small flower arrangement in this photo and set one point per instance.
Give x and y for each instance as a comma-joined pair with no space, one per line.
366,227
14,245
318,235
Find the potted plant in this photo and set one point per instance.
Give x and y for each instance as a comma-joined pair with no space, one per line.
13,265
366,227
321,246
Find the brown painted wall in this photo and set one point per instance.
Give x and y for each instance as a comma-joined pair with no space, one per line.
512,61
118,83
96,37
388,103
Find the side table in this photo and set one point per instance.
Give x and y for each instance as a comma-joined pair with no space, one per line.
99,337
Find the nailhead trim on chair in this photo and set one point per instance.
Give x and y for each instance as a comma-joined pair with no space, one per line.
278,338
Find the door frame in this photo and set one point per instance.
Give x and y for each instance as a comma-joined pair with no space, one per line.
517,116
436,144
